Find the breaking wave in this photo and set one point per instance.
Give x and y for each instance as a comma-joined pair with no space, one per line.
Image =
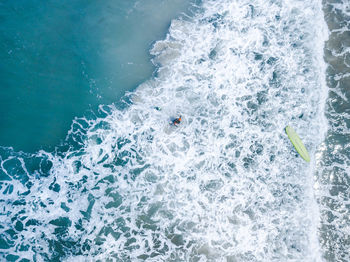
225,185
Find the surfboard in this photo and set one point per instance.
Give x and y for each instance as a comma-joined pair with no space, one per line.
297,143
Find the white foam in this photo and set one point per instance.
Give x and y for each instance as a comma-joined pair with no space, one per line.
224,185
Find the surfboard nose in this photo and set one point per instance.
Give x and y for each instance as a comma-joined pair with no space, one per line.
297,143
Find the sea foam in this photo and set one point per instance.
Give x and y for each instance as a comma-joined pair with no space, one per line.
224,185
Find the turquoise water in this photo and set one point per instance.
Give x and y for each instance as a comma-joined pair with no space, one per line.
61,59
224,185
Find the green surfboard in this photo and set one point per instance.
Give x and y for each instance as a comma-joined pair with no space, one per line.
297,143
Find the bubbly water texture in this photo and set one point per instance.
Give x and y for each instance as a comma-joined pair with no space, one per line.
333,180
225,185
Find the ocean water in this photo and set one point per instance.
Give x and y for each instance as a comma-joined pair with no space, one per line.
226,184
333,159
62,59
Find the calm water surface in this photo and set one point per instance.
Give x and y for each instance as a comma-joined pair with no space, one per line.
59,59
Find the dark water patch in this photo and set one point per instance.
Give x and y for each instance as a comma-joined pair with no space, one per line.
335,161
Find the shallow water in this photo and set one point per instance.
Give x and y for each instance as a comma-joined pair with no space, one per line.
226,184
333,181
61,59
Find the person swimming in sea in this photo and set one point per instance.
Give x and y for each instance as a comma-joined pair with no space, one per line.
176,121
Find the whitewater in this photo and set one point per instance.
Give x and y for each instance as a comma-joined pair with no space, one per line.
225,185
